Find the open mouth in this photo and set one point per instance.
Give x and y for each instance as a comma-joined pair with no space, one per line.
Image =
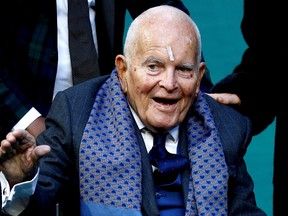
166,101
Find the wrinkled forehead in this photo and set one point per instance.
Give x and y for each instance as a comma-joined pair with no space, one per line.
166,33
168,41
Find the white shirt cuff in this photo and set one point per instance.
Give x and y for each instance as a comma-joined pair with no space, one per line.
27,119
16,200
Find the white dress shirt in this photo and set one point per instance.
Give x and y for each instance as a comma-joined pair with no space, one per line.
64,72
171,140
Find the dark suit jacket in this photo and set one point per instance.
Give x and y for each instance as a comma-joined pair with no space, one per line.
65,124
252,78
259,82
28,50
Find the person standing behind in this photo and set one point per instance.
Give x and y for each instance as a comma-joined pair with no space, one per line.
35,58
256,87
104,147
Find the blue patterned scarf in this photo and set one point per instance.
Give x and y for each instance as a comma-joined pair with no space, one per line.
110,159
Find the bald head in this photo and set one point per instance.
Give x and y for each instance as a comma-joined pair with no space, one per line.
164,22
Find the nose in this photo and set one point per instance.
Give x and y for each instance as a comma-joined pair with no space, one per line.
169,79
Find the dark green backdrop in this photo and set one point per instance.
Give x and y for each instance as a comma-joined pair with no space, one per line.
223,45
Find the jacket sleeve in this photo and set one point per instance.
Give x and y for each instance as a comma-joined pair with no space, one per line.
235,134
257,79
12,108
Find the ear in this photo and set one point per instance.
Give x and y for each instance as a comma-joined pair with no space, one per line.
202,69
121,65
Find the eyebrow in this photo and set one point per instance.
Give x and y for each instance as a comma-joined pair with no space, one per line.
158,61
187,65
152,59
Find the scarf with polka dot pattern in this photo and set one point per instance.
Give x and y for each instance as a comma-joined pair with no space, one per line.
110,159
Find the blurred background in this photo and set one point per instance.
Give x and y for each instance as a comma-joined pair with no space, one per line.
223,45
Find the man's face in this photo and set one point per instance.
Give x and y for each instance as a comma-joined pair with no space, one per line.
162,80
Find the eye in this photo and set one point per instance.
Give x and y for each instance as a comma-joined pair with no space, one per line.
185,71
153,67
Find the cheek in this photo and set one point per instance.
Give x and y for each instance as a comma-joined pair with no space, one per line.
139,95
189,92
143,85
189,88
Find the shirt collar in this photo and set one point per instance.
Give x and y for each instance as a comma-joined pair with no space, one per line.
174,132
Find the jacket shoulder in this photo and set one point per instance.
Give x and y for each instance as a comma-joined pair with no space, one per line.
234,129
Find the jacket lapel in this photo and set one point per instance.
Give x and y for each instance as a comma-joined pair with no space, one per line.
149,206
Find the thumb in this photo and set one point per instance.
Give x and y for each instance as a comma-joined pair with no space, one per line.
41,151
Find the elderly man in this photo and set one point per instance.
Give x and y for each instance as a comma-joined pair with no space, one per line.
100,135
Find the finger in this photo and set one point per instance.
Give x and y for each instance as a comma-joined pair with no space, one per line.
23,136
226,98
5,145
16,142
41,151
10,138
21,140
6,151
217,97
230,99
